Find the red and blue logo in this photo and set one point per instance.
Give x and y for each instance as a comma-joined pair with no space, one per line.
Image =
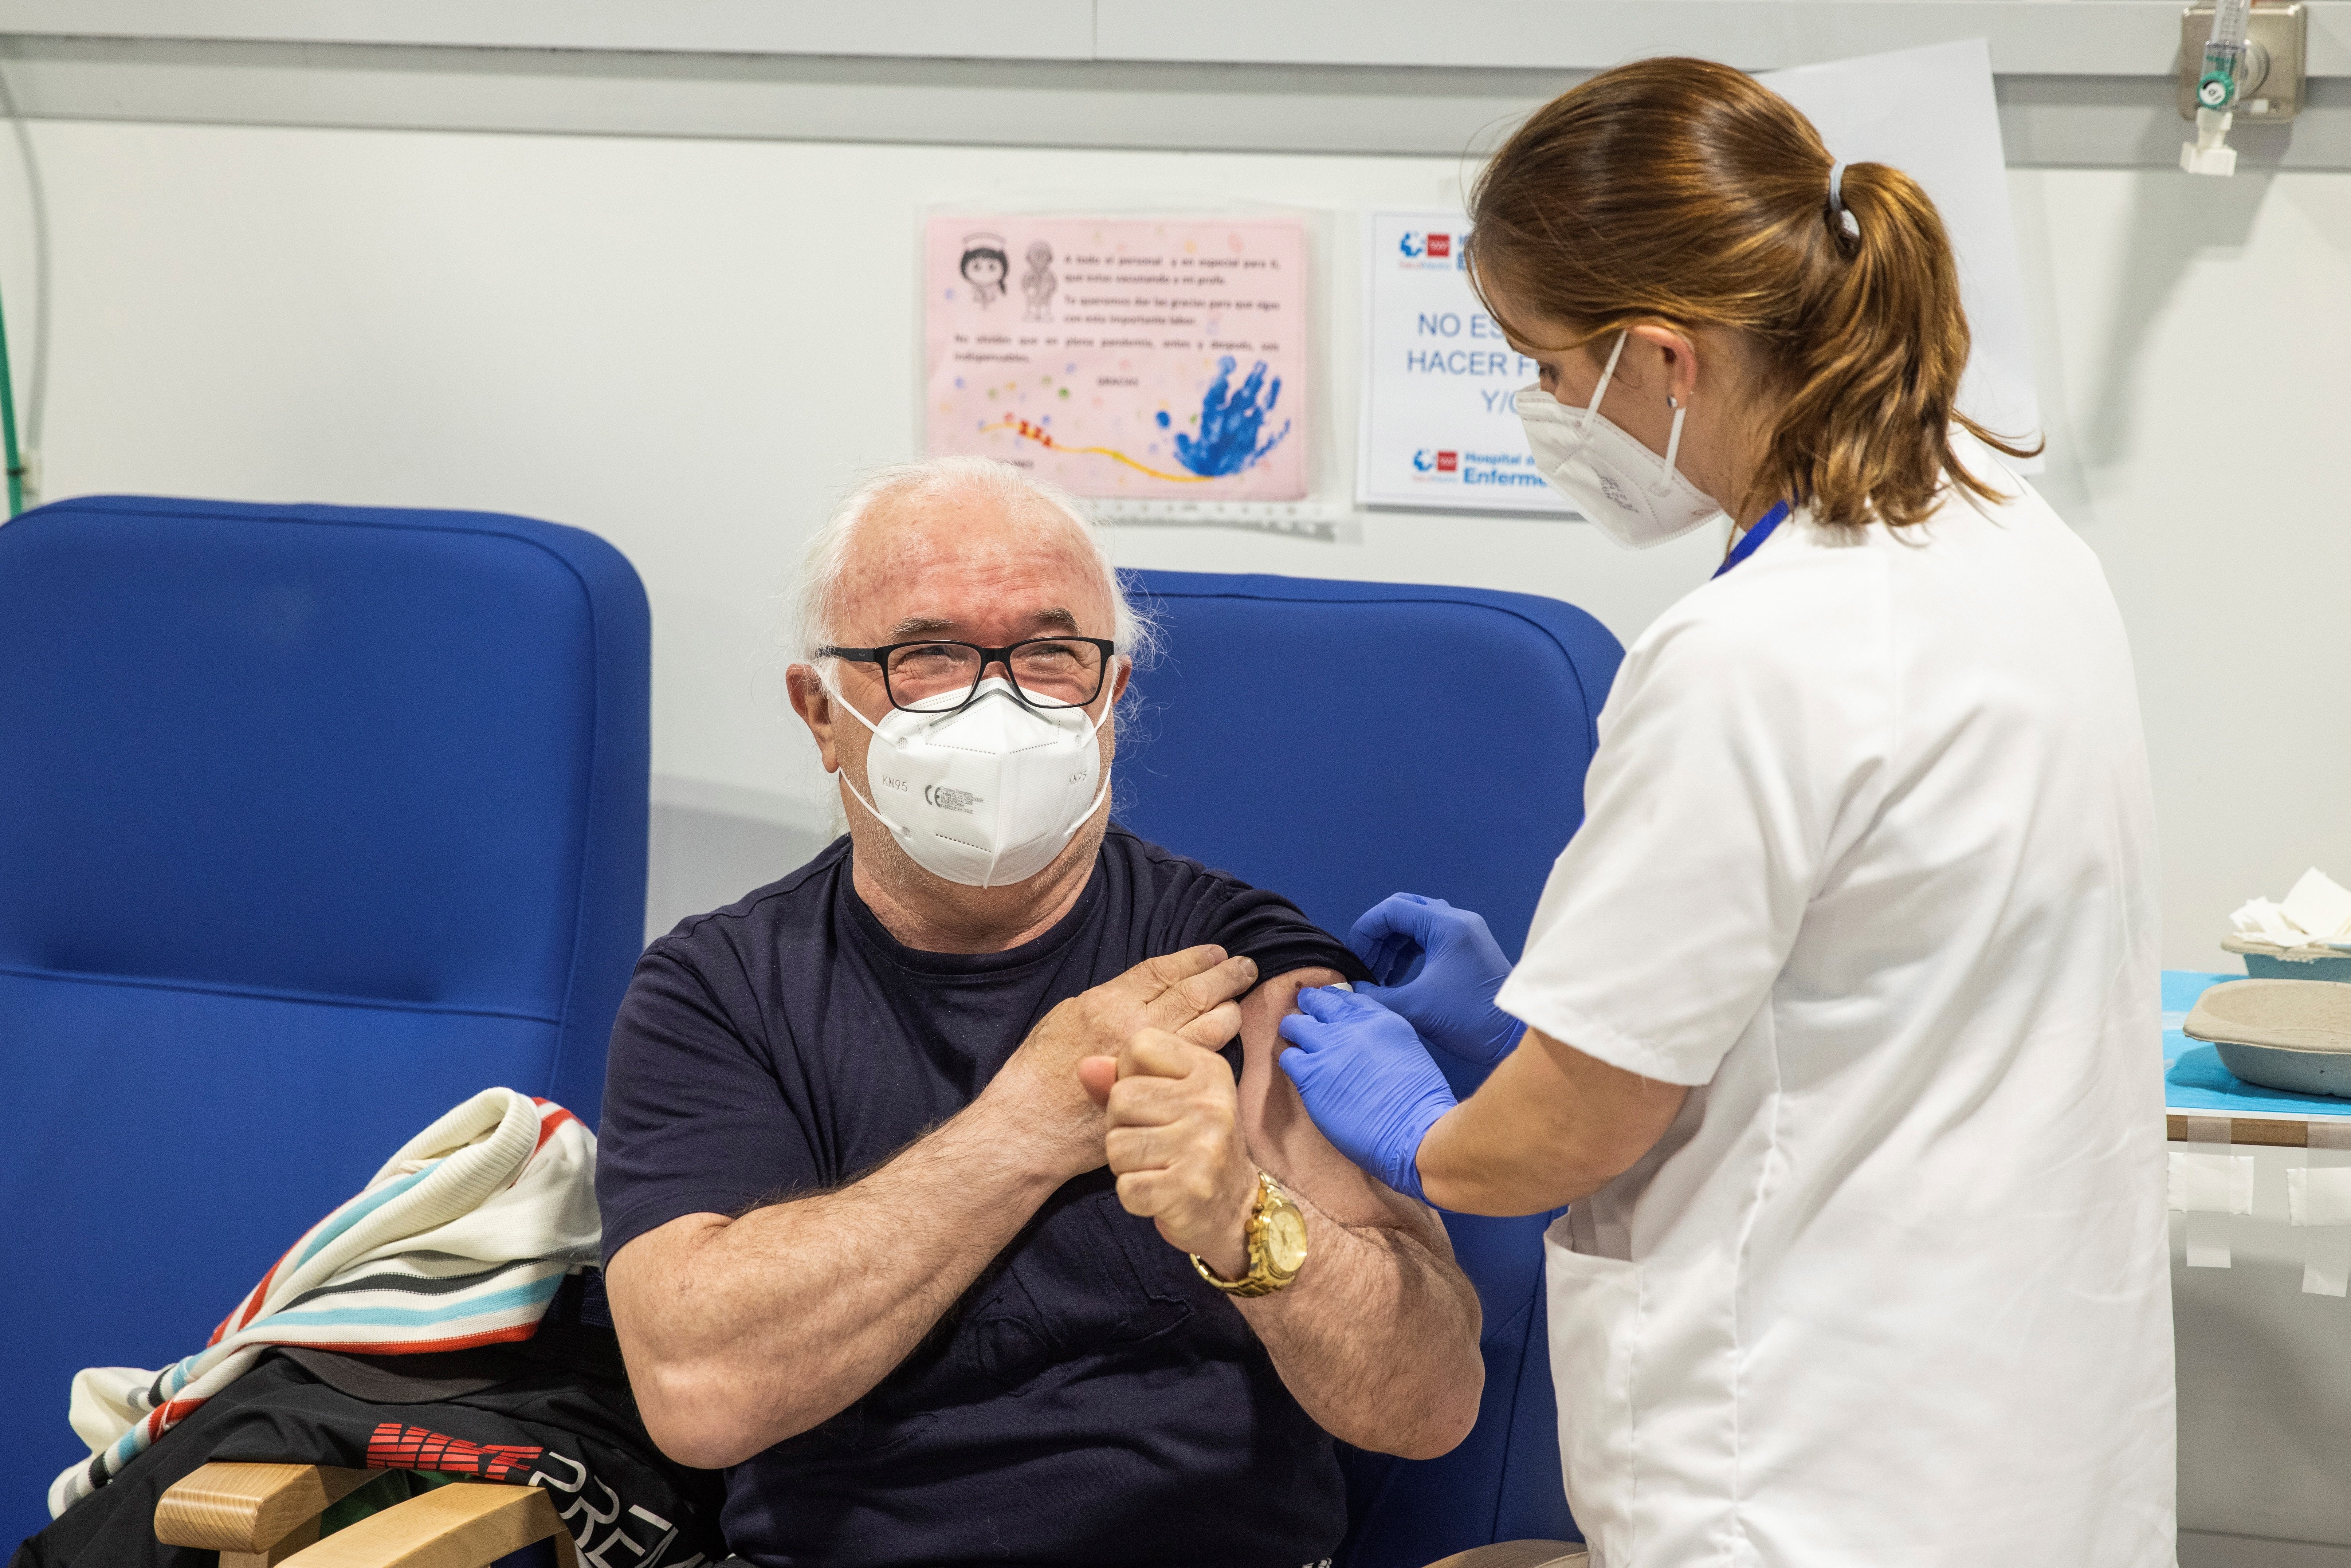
1422,250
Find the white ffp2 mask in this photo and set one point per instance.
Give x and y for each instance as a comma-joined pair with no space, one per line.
987,795
1630,493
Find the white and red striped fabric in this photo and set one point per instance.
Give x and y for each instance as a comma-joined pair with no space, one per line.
461,1239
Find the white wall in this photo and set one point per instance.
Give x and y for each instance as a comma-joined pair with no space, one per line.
2194,338
690,347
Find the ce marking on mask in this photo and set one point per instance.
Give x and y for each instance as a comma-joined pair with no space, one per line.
945,799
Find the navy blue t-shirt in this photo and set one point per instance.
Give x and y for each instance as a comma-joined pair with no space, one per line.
1090,1399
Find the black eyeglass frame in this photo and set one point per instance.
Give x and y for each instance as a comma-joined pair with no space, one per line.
880,659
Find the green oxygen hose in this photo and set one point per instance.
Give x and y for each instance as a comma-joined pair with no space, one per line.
9,424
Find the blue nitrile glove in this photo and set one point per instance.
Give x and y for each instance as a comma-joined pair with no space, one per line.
1367,1081
1448,996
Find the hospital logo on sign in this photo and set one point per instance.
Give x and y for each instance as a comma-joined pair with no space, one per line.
1421,250
1507,470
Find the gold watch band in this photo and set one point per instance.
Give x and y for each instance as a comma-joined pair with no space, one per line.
1275,1234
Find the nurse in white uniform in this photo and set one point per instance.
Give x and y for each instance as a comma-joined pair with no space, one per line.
1836,1025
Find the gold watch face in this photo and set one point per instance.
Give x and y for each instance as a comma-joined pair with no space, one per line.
1285,1238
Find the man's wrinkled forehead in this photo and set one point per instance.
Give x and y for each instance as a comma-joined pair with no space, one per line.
1051,619
963,567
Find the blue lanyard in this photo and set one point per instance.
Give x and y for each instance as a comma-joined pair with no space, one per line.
1754,537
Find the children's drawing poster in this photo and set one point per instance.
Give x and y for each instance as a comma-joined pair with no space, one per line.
1121,356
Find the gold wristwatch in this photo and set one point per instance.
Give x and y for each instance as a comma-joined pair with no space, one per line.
1276,1236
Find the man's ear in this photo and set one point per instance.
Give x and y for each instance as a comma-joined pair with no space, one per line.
814,705
1118,682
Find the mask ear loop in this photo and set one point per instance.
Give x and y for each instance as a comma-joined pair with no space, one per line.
1672,446
1607,374
834,693
1093,728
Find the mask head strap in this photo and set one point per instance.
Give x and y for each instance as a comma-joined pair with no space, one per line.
825,680
1607,372
834,692
1672,446
1681,411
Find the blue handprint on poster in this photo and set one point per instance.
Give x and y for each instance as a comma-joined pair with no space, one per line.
1230,418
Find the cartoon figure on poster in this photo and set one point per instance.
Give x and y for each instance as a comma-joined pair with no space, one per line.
985,266
1151,356
1038,283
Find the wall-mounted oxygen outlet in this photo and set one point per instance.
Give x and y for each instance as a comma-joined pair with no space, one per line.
2270,85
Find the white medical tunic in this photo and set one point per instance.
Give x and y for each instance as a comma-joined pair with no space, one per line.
1869,859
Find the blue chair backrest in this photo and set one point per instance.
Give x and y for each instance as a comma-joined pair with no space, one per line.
1339,741
313,822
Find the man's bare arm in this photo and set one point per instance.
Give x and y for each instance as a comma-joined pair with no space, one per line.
741,1332
1378,1337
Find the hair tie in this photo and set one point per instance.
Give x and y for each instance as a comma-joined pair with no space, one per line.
1839,217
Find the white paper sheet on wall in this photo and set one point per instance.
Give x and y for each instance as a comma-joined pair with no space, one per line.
1438,431
1931,113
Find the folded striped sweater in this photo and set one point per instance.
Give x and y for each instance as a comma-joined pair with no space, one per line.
461,1239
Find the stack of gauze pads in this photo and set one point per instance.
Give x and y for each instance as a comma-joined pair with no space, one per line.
2287,1026
2311,924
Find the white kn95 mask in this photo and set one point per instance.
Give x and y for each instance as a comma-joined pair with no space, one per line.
1631,494
987,795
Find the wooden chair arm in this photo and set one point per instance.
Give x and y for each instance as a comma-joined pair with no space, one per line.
250,1507
1517,1554
253,1508
467,1524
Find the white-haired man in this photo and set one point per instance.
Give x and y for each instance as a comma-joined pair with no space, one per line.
885,1144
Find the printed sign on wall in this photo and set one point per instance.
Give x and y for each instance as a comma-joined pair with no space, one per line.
1439,429
1121,356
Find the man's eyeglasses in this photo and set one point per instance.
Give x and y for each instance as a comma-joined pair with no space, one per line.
943,677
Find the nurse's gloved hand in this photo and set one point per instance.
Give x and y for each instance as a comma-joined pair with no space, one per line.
1367,1081
1450,1000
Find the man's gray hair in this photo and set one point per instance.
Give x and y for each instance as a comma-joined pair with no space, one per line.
825,560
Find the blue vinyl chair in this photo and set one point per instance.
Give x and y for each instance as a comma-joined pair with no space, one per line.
1339,741
314,820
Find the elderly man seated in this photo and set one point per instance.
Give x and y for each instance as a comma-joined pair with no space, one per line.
939,1203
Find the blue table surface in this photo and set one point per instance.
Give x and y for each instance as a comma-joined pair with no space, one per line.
2193,1078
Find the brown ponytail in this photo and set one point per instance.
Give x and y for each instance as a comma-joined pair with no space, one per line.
1683,191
